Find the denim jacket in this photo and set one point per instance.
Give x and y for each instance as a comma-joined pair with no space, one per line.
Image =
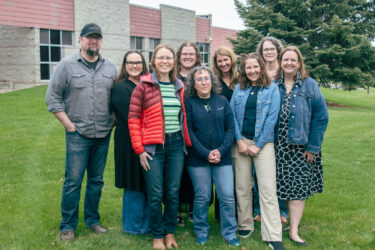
308,117
268,107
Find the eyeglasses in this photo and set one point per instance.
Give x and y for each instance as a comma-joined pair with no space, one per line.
136,63
269,50
188,54
96,37
201,79
164,58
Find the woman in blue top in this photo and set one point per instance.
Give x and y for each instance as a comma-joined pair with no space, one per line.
255,104
211,129
302,122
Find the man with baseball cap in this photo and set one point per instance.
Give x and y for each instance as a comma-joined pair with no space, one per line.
79,96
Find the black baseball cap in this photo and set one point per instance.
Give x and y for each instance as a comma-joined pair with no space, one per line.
91,28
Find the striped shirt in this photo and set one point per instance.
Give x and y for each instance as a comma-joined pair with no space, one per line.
171,106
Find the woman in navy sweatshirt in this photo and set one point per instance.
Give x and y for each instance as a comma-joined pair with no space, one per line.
211,129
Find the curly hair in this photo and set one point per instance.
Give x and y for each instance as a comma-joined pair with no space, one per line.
190,91
276,42
225,51
198,54
263,81
124,75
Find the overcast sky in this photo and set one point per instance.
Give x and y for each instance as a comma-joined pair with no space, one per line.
223,12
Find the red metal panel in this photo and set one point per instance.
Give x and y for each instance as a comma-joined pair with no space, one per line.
220,35
47,14
202,30
145,22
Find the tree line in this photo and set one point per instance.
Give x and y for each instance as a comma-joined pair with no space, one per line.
333,35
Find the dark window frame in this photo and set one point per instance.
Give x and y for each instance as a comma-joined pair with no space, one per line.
57,39
204,48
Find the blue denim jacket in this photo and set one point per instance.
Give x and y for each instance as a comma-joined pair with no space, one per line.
268,107
308,117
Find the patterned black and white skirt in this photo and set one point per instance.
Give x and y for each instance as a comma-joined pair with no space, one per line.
296,179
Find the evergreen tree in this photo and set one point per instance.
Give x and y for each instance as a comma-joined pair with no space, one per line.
333,35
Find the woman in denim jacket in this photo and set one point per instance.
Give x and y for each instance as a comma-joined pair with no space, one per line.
255,104
299,134
269,48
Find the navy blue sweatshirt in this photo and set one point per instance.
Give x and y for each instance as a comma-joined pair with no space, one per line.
209,129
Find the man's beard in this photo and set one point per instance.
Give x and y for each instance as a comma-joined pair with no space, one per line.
92,52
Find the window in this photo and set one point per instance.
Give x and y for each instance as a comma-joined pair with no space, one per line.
153,43
204,48
136,43
51,42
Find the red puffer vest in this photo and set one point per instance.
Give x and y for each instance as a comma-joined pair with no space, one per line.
146,115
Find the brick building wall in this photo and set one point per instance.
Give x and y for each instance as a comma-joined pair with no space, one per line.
114,19
47,14
177,25
21,22
145,22
19,56
220,37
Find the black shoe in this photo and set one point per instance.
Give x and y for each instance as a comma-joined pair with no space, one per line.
276,245
244,233
299,243
180,221
190,217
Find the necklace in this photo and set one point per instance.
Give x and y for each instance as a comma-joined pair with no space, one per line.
206,104
207,107
288,87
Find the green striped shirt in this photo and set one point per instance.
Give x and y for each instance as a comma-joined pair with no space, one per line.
171,106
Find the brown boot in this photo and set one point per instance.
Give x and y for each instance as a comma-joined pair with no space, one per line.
158,244
170,242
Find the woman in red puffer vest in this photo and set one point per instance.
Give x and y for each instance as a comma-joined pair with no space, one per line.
159,134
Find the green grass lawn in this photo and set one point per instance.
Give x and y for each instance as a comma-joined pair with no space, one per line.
32,155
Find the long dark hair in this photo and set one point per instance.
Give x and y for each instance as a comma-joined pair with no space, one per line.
263,81
198,54
123,75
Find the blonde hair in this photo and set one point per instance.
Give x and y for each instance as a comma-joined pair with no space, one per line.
225,51
302,70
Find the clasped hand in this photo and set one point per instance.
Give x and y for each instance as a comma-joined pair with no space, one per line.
214,156
243,148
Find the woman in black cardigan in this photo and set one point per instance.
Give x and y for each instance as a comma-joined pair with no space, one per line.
211,129
128,171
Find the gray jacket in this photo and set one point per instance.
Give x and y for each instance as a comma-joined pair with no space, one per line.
84,94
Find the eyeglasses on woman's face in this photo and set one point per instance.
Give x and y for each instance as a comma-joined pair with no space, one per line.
202,79
134,63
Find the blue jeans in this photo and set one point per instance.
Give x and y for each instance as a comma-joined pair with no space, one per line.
135,216
163,184
282,204
82,154
202,178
